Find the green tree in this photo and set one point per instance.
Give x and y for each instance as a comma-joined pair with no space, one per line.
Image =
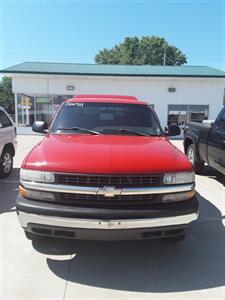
6,94
148,50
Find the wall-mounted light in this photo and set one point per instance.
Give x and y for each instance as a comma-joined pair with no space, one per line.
70,87
171,90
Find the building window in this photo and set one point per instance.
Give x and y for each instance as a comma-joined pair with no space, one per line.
43,109
25,110
32,108
198,113
180,114
57,100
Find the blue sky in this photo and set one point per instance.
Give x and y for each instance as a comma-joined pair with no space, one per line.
74,31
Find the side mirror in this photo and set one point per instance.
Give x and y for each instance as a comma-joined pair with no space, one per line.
173,130
40,126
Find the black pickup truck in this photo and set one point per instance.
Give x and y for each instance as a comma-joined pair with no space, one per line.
205,142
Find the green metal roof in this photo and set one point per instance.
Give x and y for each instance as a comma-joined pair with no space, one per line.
113,70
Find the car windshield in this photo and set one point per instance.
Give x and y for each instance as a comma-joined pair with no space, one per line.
106,118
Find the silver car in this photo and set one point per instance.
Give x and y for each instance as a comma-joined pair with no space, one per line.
7,143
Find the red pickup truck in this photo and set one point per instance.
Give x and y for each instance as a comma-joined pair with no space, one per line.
106,170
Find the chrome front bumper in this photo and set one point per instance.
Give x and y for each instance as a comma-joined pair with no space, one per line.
26,218
107,191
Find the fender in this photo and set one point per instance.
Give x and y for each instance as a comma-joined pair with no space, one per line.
191,137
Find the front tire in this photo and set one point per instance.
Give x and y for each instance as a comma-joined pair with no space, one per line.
191,154
6,163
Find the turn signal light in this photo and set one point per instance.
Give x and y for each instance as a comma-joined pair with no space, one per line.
176,197
23,191
36,195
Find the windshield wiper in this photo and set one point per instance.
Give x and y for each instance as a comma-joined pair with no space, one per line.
121,130
84,130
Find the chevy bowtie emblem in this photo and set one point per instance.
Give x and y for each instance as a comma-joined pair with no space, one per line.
109,191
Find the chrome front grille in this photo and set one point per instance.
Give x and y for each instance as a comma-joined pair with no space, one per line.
100,201
110,180
116,181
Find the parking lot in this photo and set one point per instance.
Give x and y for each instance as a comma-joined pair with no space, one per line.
149,269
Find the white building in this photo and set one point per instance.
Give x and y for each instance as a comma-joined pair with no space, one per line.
178,93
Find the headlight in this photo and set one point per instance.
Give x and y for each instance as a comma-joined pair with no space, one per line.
37,176
178,178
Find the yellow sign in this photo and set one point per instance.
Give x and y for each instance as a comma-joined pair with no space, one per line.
26,101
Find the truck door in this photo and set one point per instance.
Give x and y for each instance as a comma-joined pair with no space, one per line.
216,144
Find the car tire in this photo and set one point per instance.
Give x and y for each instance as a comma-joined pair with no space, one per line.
177,238
6,163
197,164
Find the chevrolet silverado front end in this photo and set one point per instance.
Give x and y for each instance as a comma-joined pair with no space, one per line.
106,170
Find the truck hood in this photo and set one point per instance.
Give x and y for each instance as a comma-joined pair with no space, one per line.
106,154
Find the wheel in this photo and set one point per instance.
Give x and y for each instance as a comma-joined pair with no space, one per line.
191,154
177,238
31,236
6,163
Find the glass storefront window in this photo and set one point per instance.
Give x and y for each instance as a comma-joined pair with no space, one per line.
38,108
177,114
25,109
57,100
181,114
198,113
43,109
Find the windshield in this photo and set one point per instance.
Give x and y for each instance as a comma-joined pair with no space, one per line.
106,118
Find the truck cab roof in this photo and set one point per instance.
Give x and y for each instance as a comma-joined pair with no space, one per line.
106,98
